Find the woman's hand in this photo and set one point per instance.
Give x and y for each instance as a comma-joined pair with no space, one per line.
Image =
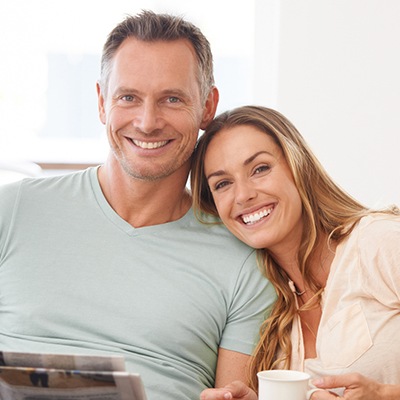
234,391
356,387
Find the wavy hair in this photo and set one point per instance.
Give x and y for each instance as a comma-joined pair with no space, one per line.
327,210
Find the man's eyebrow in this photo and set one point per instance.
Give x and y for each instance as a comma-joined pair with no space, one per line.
125,90
246,162
167,92
176,93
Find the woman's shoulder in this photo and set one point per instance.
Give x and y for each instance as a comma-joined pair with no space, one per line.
377,233
379,224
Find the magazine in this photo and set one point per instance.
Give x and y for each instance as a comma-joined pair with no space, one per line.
32,376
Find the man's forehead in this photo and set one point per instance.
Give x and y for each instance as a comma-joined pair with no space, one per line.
169,65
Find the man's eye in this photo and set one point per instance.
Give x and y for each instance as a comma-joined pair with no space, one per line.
173,99
127,98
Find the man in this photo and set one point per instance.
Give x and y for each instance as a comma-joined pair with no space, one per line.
111,260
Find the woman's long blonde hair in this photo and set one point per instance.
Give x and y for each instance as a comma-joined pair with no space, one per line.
327,211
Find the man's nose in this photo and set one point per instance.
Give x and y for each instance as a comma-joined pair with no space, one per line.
147,118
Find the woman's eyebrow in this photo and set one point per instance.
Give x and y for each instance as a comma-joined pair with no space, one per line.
216,173
254,156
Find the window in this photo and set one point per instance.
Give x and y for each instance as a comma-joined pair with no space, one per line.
51,61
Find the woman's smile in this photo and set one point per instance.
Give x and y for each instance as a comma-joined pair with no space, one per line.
252,218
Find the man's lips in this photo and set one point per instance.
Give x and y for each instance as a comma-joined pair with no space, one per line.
252,218
149,145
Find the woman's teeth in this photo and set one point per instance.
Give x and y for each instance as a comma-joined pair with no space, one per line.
252,218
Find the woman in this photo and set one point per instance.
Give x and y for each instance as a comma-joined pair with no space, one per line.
332,261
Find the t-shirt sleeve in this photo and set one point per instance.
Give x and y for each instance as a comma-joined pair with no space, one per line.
252,298
8,196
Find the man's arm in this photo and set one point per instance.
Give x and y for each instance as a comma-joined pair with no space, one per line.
231,366
236,390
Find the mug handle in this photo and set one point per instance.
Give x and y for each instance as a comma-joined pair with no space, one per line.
310,392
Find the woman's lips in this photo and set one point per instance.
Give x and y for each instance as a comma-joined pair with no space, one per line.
252,218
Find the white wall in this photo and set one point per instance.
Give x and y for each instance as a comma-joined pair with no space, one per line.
337,69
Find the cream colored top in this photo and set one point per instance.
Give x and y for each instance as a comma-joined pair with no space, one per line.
360,324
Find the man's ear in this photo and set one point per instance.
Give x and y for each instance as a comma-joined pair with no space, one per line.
210,107
100,103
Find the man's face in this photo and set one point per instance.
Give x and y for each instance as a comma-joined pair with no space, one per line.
153,109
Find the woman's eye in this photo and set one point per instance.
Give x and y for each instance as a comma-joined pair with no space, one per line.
262,168
221,185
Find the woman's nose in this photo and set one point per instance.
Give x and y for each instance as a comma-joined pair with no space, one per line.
244,192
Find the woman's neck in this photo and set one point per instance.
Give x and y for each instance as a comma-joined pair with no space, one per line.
316,270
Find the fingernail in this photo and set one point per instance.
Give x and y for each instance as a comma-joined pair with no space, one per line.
317,382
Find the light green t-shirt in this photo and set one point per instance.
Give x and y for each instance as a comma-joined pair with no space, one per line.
76,278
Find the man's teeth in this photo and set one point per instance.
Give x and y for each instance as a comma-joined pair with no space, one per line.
150,145
252,218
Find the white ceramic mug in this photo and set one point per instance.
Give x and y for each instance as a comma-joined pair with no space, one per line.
279,384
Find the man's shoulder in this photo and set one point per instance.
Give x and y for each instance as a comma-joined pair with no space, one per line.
48,184
32,195
208,223
211,231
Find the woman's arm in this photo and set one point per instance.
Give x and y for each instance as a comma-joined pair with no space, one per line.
357,387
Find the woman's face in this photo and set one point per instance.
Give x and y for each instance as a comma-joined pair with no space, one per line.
253,189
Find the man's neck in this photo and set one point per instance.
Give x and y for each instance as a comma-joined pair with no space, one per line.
145,203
